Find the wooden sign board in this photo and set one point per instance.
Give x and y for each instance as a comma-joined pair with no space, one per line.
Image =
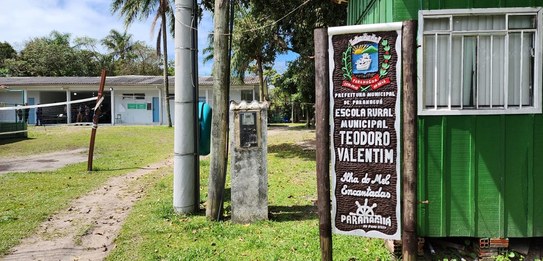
365,118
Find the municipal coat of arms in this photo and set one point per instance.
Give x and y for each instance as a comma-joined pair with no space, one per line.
362,67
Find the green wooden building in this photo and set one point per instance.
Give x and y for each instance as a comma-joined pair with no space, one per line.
480,126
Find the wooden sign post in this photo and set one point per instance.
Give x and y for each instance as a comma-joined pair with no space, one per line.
409,166
323,141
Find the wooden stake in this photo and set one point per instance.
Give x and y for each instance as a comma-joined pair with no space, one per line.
323,141
97,112
409,153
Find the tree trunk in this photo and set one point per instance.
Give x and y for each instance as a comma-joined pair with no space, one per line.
263,90
307,117
165,72
219,121
292,111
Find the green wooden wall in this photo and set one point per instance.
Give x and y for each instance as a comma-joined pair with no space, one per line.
369,11
381,11
480,174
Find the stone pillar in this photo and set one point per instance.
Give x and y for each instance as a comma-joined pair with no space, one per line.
248,150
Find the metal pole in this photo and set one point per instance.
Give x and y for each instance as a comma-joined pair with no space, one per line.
195,107
97,112
184,152
323,141
409,179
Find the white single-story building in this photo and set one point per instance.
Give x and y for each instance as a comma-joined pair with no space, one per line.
128,99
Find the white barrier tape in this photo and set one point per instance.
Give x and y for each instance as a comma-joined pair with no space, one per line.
47,104
98,103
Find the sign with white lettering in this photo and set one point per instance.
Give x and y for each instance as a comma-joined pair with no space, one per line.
365,71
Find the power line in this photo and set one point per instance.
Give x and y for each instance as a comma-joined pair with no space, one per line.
278,20
254,29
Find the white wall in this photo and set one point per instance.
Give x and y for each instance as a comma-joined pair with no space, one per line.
134,116
9,99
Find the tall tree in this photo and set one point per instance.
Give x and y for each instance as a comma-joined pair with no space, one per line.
119,44
255,41
144,61
296,27
89,46
297,82
6,52
52,56
289,25
120,47
140,10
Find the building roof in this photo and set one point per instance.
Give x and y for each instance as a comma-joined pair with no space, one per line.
124,80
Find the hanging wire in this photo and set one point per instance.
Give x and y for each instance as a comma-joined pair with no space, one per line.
257,28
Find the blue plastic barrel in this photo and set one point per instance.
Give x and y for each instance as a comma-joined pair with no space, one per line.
204,119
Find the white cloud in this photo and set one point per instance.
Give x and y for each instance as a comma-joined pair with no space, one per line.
22,20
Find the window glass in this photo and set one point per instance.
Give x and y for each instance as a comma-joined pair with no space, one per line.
437,24
480,64
522,22
475,23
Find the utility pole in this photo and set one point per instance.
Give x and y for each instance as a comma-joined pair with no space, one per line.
219,121
184,143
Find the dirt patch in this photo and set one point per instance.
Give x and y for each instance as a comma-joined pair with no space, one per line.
42,162
87,229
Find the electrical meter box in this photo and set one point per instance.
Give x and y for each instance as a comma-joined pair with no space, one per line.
249,129
248,150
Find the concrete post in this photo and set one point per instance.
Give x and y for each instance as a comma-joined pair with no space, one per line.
248,150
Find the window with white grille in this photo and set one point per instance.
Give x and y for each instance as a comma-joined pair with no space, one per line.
479,61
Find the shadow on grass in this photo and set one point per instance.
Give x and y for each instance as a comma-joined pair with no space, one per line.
272,126
287,150
13,140
116,169
292,213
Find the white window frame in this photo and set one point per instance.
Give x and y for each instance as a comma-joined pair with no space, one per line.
445,13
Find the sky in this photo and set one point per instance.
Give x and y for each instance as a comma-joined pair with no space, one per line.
22,20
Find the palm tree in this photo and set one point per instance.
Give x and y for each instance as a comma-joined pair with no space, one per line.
119,44
140,10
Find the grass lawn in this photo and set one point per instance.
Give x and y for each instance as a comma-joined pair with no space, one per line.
154,232
27,199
